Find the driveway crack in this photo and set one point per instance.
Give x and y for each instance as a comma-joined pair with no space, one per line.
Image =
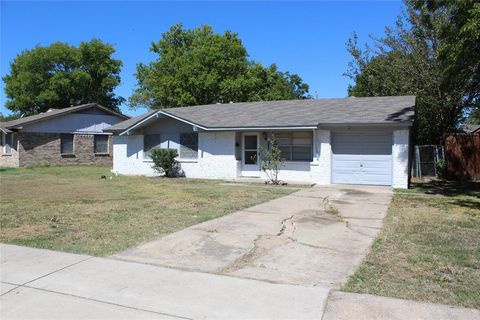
284,226
360,233
261,245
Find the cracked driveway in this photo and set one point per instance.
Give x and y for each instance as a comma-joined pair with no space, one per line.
316,236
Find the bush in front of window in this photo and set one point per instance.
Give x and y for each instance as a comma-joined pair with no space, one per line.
164,161
272,160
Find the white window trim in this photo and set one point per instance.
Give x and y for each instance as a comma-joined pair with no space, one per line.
291,146
179,158
4,144
146,157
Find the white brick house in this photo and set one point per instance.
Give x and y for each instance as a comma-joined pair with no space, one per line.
324,141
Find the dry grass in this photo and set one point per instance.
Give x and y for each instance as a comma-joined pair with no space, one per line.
72,209
429,248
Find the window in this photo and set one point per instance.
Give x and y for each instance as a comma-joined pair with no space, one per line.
250,144
189,145
100,144
66,143
7,141
151,141
295,146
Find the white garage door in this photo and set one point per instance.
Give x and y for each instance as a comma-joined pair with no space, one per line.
362,157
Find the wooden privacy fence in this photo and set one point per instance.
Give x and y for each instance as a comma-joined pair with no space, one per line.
462,153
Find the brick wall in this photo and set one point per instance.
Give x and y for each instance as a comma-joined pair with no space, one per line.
44,148
400,148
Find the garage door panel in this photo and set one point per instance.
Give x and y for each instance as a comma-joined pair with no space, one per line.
367,150
362,157
347,178
376,180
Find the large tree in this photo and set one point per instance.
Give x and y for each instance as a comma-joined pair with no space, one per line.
432,53
60,75
199,66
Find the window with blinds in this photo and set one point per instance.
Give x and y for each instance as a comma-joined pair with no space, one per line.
66,143
100,144
188,145
295,146
151,141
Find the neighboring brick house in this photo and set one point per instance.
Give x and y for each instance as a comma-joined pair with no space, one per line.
69,136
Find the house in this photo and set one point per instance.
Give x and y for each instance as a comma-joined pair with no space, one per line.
69,136
470,128
346,141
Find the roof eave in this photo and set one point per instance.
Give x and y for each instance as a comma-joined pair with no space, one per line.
360,124
136,125
86,106
5,130
257,128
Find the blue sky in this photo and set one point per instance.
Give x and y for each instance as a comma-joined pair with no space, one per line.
307,38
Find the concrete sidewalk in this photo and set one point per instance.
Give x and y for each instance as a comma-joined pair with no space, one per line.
43,284
347,306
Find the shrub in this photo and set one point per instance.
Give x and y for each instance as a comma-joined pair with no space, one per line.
164,161
441,166
272,160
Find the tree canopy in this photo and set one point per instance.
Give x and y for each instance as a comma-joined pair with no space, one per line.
199,66
432,53
60,75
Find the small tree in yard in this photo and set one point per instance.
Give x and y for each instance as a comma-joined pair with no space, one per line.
272,160
164,161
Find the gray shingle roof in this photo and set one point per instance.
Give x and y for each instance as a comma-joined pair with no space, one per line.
2,128
292,113
54,113
121,126
471,128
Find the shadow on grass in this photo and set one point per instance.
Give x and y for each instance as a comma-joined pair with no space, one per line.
449,188
468,204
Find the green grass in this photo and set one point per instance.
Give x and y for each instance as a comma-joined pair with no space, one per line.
429,247
72,209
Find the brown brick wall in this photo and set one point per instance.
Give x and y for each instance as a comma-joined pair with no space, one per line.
44,148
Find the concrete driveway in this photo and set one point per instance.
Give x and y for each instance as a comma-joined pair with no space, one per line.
316,236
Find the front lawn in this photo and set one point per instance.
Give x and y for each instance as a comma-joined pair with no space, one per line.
429,248
73,209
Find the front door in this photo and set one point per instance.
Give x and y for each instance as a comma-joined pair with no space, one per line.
250,161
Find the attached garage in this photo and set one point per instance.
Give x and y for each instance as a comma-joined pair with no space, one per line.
362,157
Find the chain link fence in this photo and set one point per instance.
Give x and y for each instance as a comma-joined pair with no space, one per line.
425,160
